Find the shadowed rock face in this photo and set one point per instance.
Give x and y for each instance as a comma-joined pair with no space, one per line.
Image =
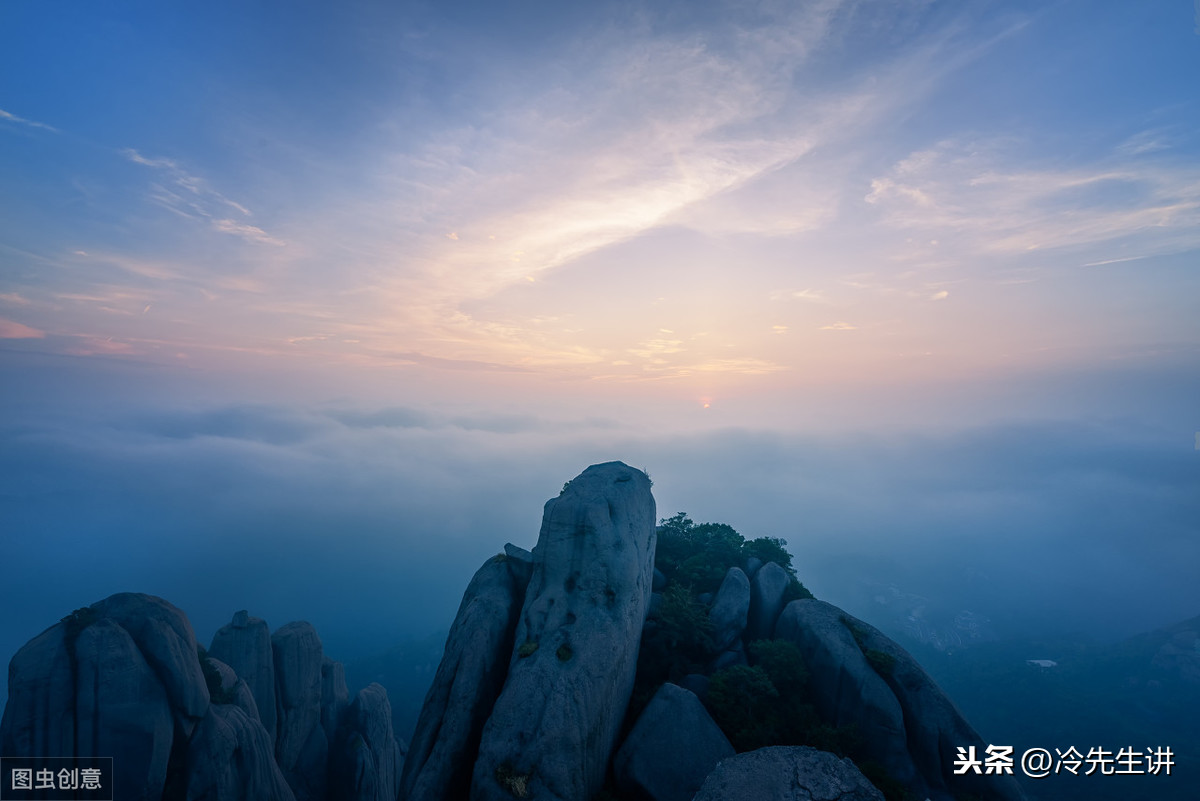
672,748
861,677
787,773
554,726
468,681
245,645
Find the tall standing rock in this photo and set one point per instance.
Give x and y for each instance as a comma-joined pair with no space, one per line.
301,748
555,724
468,681
245,645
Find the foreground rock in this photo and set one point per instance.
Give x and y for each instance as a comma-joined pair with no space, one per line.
554,726
787,773
672,748
860,677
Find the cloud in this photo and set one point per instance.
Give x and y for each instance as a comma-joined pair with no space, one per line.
811,295
14,299
972,194
13,118
250,233
839,326
940,295
192,197
14,330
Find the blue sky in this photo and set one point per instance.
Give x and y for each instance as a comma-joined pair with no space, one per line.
255,259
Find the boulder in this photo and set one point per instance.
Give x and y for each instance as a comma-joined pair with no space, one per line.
553,728
787,773
729,610
245,645
230,758
766,601
468,681
858,676
367,760
301,748
671,749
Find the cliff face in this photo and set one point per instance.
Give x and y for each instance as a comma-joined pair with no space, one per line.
124,678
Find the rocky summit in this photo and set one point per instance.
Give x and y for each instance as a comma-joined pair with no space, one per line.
616,661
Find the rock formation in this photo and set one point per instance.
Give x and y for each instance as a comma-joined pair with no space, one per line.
301,747
530,698
125,679
245,645
554,726
860,677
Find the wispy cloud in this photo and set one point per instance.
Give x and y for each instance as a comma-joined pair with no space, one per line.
13,118
192,197
970,189
250,233
14,330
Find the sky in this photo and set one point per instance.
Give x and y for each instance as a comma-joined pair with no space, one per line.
309,310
